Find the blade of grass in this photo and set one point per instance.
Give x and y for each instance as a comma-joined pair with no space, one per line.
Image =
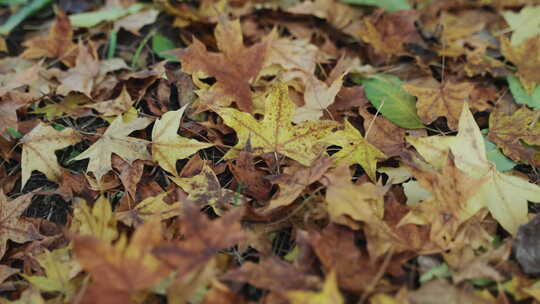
25,12
134,61
112,44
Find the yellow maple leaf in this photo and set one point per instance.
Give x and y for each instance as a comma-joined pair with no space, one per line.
38,150
150,208
60,268
329,294
70,103
355,149
276,133
98,222
504,195
115,140
168,146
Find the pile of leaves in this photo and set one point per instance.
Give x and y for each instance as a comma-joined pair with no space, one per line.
297,151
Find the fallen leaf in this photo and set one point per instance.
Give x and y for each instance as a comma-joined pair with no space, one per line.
68,105
386,95
318,96
251,180
38,150
526,246
521,96
134,22
504,195
355,149
275,133
389,34
335,247
234,69
116,140
329,294
80,78
12,227
151,208
524,24
510,132
363,202
525,57
294,181
439,99
383,134
57,44
202,239
60,270
204,190
98,222
122,269
273,274
168,146
114,107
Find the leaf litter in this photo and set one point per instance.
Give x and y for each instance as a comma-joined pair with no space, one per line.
263,152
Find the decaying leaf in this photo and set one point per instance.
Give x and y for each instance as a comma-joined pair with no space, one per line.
38,150
12,227
116,140
515,134
204,190
440,99
203,239
234,69
119,270
329,294
504,195
57,44
276,133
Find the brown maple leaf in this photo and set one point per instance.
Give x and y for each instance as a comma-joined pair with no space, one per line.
510,131
203,239
525,57
57,44
273,274
249,178
440,99
12,227
234,69
122,269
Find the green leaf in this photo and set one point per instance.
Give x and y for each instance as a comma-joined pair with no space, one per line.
495,155
521,96
160,44
58,127
388,5
90,19
441,271
13,2
14,133
385,93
